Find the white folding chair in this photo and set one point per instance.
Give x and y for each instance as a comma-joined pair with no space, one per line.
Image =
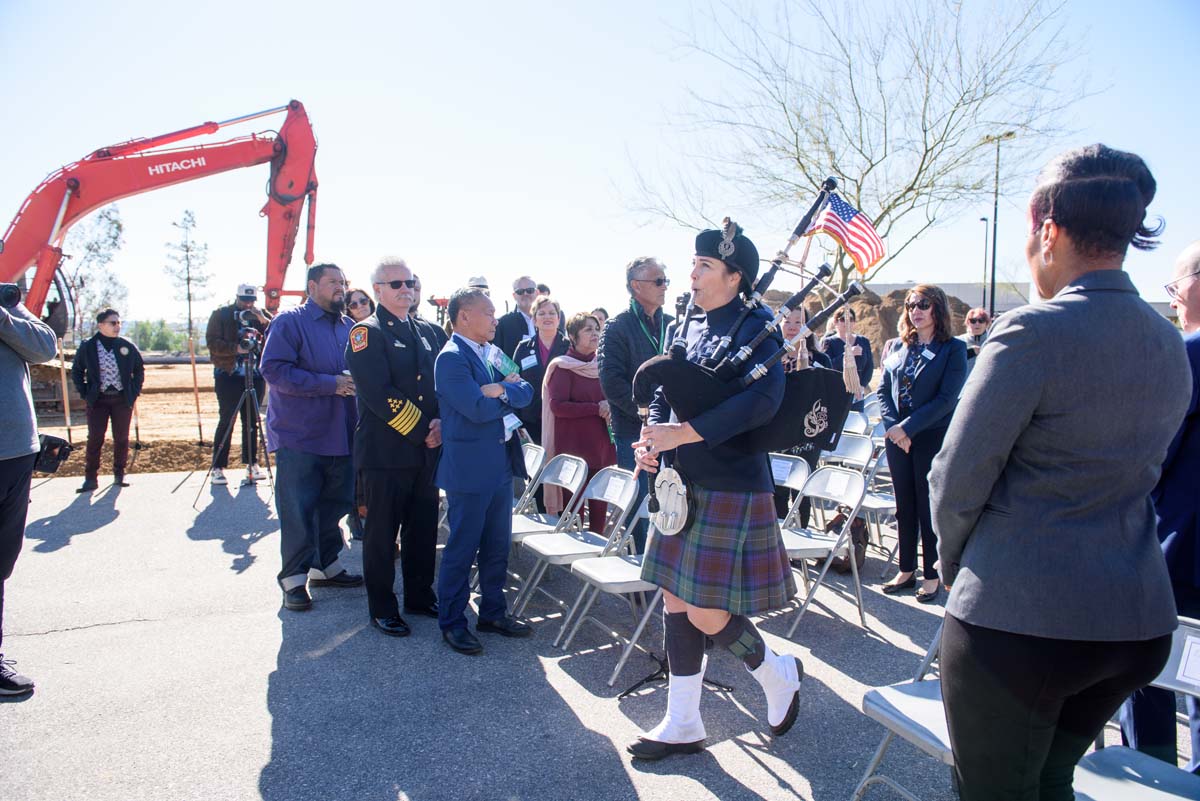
872,408
535,459
854,451
856,423
617,573
879,503
564,471
791,472
914,711
618,489
844,488
1123,773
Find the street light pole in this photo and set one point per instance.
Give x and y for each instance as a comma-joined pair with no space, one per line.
983,302
998,138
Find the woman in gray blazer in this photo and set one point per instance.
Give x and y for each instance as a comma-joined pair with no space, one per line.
1061,603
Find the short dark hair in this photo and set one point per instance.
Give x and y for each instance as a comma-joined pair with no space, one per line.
104,314
602,310
843,313
577,322
317,271
545,290
465,296
1099,196
634,268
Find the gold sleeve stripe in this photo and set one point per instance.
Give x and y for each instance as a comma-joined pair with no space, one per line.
407,419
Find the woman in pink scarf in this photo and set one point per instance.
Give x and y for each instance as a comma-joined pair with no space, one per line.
575,414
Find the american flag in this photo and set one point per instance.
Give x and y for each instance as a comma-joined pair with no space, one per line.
852,230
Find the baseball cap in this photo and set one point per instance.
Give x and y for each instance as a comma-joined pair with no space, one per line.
247,292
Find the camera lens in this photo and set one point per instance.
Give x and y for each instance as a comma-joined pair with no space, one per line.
10,295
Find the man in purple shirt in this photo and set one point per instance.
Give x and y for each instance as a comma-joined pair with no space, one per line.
310,426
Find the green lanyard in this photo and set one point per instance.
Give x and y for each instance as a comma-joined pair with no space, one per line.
662,334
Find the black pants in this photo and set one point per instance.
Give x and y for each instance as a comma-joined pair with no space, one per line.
229,390
106,409
1022,710
406,500
14,506
910,479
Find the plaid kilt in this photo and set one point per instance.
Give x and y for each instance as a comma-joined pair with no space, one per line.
731,557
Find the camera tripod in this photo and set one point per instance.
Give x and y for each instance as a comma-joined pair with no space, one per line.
248,400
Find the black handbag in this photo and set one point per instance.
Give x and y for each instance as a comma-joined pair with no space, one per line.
54,451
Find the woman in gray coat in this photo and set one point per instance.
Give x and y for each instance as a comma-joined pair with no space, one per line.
1060,603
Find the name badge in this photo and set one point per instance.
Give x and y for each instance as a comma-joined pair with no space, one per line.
928,354
528,362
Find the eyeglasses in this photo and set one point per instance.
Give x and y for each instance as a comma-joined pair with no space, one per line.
977,320
924,304
354,304
655,281
411,283
527,291
1173,289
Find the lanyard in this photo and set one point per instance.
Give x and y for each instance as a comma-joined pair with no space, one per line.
662,334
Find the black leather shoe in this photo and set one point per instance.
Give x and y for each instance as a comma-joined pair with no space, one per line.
297,599
343,579
119,481
463,641
392,626
505,627
929,597
89,485
652,750
892,589
430,610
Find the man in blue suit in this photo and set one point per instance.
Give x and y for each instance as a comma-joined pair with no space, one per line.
1148,717
480,456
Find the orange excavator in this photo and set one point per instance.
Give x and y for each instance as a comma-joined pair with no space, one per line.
35,236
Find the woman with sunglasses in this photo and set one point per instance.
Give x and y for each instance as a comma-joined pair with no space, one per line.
359,305
1061,601
921,382
977,321
108,375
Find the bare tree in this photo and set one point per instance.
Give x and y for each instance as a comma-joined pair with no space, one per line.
91,246
187,259
902,102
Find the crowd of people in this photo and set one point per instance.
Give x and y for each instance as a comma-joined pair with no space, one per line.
1040,492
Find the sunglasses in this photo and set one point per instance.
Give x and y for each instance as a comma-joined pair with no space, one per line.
530,291
976,320
655,281
411,283
1173,289
354,304
923,304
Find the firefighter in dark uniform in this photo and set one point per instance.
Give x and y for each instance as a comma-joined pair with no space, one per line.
396,445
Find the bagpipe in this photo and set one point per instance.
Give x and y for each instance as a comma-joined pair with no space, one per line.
815,403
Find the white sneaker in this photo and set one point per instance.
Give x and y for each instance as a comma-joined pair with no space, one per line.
218,477
255,473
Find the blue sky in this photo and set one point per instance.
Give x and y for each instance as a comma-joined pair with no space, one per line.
479,138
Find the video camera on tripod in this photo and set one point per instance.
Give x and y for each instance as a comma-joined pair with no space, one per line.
250,339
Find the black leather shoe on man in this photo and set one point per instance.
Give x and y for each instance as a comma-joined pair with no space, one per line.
297,599
393,626
343,579
429,610
505,627
463,641
89,485
119,481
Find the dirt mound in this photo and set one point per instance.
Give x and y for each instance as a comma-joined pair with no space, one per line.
161,456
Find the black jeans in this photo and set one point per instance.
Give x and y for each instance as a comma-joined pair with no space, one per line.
229,390
14,506
407,501
1022,710
910,479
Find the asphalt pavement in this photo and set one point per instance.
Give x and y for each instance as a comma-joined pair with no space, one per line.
166,669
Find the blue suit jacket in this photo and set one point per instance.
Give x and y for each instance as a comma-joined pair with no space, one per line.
935,390
475,456
1177,496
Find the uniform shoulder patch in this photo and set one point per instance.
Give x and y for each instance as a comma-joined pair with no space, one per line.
358,338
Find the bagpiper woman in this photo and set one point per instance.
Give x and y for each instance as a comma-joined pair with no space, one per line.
729,562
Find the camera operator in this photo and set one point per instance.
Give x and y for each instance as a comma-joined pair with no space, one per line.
233,332
24,340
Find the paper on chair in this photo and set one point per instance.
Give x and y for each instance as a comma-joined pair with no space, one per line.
837,483
568,471
1189,661
780,470
612,490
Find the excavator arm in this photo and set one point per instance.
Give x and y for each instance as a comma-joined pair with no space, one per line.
69,194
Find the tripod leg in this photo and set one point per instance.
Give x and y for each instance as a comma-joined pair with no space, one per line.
217,446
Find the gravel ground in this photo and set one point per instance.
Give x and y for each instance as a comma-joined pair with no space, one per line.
167,670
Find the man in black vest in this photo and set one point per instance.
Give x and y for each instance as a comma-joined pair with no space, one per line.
396,446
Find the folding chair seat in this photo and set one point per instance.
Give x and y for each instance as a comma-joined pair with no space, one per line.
856,423
564,471
618,489
616,573
843,488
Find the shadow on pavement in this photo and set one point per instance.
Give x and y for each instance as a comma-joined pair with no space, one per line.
238,519
87,513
